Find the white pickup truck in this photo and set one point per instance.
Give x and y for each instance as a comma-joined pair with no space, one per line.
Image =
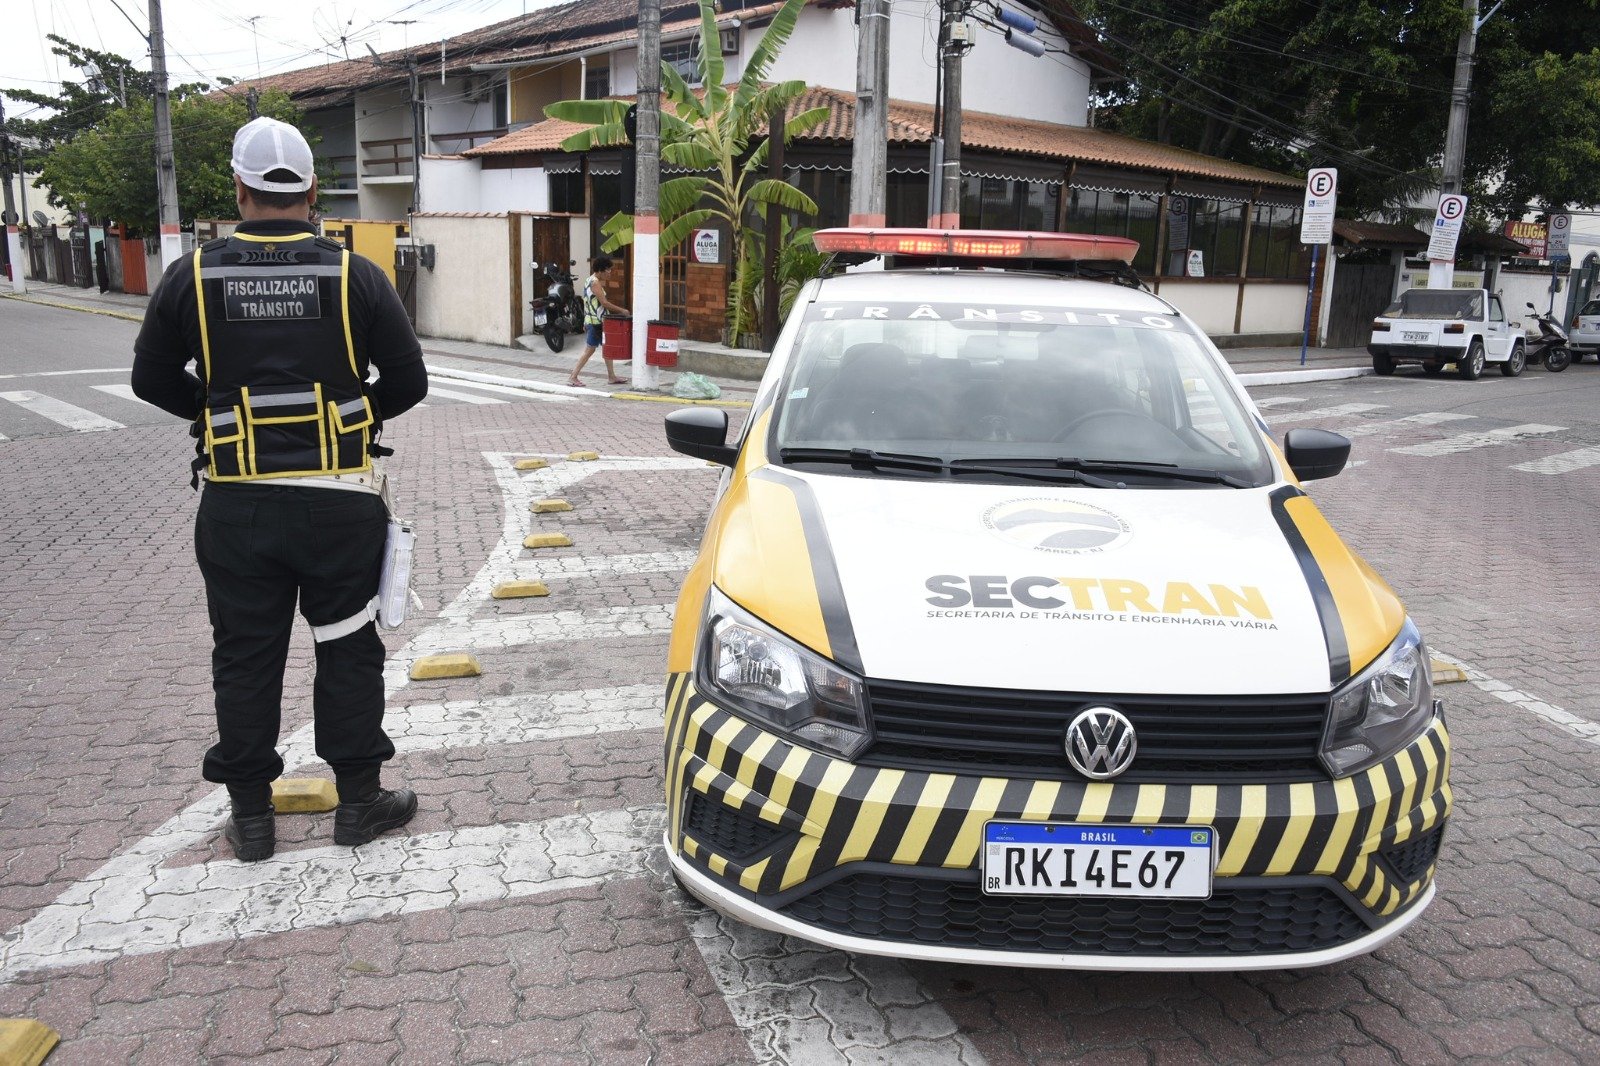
1467,327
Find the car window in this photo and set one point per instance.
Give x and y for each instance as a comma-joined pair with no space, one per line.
975,383
1591,308
1437,303
1495,314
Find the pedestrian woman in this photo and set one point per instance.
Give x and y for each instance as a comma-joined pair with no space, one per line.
595,301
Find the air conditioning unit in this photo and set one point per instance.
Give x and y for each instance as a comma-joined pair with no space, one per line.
730,40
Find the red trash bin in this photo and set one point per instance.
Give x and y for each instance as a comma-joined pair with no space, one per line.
617,338
661,343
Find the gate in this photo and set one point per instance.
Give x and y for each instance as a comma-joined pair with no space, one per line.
675,285
1360,293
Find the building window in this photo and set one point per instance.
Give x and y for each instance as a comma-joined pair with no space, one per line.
596,82
1215,228
1275,248
566,193
830,189
1008,203
1117,214
501,104
684,57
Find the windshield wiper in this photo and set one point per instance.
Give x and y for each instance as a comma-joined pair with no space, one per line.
865,459
1121,466
1031,470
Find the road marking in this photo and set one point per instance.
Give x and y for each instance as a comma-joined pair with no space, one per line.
463,397
124,392
504,390
1564,720
1563,462
60,412
1466,442
1277,401
1338,411
64,373
520,630
1427,418
548,568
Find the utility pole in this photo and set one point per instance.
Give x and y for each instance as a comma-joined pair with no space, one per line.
770,297
252,100
869,154
166,170
953,44
647,191
13,235
417,117
1441,275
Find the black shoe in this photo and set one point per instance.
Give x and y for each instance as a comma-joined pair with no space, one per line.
252,836
357,823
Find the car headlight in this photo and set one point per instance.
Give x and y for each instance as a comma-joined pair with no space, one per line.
757,672
1382,709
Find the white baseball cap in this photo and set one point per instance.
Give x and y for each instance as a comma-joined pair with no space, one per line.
263,145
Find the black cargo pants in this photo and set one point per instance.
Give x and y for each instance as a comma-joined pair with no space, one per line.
260,547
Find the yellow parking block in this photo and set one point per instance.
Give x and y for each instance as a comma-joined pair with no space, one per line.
1445,673
304,795
530,464
549,506
583,457
547,540
25,1042
516,590
450,664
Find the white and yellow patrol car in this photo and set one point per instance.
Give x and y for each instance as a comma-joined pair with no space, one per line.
1014,639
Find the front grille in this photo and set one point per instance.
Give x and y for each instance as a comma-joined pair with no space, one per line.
726,831
1238,921
997,731
1411,860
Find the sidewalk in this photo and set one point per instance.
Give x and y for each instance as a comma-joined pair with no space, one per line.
533,364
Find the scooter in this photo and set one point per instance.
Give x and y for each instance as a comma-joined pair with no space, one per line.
559,312
1550,346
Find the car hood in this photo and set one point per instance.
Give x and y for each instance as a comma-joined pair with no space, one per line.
1203,591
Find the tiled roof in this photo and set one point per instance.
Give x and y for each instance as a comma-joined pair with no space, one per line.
912,123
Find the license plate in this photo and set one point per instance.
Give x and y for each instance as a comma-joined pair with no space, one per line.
538,318
1076,859
1413,337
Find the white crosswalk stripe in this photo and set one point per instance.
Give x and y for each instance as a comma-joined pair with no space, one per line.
1427,418
123,391
1337,411
488,386
1562,462
60,412
462,397
1277,401
1466,442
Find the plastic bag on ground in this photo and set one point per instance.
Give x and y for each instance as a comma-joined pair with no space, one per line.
692,386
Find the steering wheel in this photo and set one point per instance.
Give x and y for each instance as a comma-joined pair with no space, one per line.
1141,421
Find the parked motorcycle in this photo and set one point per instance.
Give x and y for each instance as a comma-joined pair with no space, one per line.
1550,346
560,311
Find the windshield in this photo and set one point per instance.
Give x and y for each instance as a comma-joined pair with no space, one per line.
1437,303
1591,308
1013,387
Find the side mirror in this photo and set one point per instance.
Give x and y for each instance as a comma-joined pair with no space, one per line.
703,433
1533,308
1315,453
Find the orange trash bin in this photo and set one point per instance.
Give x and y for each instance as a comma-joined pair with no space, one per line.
617,338
661,343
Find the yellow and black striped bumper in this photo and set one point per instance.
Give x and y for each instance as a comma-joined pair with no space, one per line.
766,819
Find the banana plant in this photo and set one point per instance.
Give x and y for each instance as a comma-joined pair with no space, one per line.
709,133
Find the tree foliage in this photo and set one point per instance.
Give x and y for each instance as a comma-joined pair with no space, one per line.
720,134
107,83
111,171
1365,85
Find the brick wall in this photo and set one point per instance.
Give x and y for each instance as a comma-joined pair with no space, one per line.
706,311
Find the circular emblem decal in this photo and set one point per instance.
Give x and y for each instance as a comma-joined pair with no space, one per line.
1101,743
1058,526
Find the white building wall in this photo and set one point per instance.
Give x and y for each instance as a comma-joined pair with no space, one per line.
450,183
520,189
458,105
1274,308
466,296
379,116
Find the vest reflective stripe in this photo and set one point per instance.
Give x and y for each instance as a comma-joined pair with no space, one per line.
284,397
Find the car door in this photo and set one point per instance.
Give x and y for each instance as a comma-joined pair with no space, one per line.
1497,346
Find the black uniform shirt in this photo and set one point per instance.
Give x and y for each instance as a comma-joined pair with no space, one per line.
169,340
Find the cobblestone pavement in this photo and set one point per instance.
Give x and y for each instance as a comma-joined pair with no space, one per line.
526,915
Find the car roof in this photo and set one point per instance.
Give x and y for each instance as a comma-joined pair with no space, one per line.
1013,288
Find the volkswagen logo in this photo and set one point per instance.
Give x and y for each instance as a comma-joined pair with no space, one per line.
1101,743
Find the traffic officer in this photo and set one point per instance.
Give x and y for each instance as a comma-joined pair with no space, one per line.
284,327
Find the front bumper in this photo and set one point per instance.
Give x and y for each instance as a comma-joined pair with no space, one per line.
885,861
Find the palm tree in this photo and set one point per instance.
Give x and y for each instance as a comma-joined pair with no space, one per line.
709,133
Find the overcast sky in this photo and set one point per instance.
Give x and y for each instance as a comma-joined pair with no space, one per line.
210,39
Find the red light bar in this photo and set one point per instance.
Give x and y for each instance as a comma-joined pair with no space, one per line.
977,244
